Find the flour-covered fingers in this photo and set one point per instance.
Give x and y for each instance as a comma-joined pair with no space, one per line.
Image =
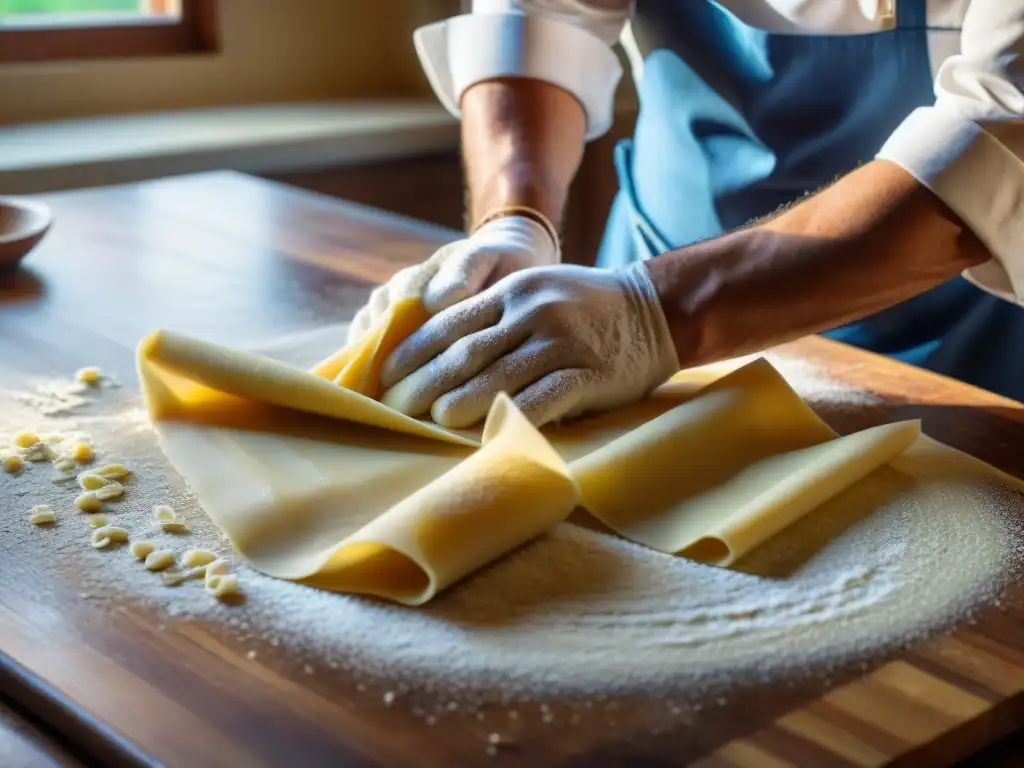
438,334
462,275
559,395
416,393
468,404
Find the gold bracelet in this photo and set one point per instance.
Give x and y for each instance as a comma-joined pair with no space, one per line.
520,210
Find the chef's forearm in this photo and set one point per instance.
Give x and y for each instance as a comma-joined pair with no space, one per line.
874,238
522,142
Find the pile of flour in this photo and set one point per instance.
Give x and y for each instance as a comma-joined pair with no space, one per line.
574,613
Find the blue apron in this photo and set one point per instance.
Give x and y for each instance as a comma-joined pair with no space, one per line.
736,122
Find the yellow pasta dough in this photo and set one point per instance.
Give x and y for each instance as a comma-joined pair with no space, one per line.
714,477
313,480
357,367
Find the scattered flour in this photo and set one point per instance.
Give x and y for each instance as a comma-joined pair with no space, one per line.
60,397
576,612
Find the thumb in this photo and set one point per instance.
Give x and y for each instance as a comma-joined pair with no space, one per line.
463,274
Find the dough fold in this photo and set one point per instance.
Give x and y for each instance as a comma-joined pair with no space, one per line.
314,480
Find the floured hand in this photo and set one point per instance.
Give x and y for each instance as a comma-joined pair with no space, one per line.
561,340
463,269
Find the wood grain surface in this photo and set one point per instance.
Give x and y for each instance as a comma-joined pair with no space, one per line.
236,261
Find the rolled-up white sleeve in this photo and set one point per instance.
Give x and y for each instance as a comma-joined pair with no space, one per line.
567,43
968,148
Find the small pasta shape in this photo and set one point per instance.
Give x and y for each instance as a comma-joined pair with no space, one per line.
111,471
197,557
162,513
109,491
222,585
107,535
90,481
97,521
159,560
174,578
174,526
64,464
142,549
82,453
42,515
218,567
89,375
26,439
88,502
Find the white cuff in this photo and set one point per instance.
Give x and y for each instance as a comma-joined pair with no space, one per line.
979,178
464,50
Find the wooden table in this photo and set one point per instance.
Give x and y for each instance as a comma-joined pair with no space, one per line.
235,260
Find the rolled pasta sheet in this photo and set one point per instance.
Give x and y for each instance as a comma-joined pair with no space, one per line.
513,489
718,475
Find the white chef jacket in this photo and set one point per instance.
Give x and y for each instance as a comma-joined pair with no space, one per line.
967,148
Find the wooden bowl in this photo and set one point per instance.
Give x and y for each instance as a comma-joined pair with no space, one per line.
22,226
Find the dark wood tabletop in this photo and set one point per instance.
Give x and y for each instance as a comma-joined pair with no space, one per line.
24,744
237,260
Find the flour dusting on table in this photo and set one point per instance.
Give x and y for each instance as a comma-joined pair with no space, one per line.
574,612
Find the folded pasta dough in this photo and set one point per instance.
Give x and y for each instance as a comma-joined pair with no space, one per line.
357,366
718,475
360,502
184,377
511,490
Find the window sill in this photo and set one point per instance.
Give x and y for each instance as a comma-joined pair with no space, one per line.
275,138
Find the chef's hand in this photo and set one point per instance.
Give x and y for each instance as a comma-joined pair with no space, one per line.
463,268
560,340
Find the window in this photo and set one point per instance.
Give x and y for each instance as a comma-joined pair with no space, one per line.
49,30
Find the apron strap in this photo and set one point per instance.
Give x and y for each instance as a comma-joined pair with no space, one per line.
911,14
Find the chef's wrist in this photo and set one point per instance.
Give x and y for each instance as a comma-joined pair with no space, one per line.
688,286
522,143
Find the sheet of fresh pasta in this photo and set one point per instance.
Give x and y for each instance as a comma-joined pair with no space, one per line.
314,480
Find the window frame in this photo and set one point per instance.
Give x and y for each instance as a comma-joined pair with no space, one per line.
195,32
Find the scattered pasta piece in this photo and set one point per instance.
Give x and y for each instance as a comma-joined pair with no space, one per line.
109,491
197,557
222,585
174,526
159,560
26,439
64,464
107,535
42,515
142,549
97,521
111,471
218,567
164,514
88,502
90,375
174,578
90,481
82,453
13,464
